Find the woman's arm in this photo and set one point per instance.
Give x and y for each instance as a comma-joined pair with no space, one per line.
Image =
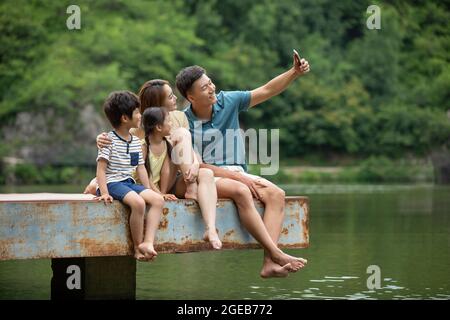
103,140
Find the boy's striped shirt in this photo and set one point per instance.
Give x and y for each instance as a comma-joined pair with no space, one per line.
119,155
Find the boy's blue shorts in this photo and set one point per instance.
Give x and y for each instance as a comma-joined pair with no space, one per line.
118,190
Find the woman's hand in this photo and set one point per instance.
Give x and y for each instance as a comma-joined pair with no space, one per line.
103,140
169,196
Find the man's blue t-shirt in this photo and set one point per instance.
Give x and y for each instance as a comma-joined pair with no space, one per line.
219,141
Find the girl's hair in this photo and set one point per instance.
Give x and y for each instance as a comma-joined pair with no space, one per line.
152,94
152,117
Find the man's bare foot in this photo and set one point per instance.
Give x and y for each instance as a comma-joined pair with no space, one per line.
273,270
282,259
213,238
146,248
191,191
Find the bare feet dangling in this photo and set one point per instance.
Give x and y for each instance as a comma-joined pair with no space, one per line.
273,270
213,238
138,255
277,271
147,250
282,259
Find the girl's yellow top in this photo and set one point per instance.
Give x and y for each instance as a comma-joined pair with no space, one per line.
156,163
179,120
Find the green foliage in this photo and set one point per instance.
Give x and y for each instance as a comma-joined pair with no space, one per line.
371,170
370,92
27,173
381,169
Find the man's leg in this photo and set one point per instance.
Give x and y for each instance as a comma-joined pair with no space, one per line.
273,198
252,221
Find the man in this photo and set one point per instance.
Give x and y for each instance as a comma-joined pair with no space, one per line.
209,112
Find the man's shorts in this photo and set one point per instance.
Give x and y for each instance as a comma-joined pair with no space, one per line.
118,190
240,170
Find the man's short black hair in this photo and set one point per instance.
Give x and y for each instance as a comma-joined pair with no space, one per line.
186,78
120,103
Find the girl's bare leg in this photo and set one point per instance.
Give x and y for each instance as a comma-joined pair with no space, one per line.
168,175
180,187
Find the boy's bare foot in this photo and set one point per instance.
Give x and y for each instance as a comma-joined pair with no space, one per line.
213,238
90,189
191,191
282,259
138,255
146,248
273,270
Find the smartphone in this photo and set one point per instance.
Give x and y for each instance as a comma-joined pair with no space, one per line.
297,55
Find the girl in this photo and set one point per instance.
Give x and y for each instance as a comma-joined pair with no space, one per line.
157,126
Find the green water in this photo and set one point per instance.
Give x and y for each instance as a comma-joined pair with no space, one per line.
405,230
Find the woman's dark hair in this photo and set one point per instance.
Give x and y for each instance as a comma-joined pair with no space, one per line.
152,117
186,78
152,94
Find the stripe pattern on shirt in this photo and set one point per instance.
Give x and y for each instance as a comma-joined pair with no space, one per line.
119,156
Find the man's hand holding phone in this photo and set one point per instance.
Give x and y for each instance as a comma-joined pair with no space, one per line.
301,66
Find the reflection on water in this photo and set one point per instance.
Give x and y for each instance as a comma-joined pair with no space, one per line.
405,230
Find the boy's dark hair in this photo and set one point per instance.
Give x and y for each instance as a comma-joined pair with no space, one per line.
120,103
186,78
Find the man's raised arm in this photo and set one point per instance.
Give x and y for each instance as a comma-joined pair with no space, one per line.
279,83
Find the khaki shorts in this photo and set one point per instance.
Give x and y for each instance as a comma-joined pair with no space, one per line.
237,169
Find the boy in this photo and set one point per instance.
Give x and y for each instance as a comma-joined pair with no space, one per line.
115,166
